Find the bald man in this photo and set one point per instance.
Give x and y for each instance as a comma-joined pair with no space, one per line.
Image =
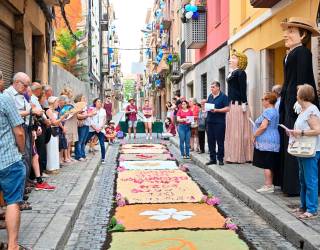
21,81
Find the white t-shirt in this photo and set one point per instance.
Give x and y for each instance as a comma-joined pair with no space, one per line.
302,121
98,120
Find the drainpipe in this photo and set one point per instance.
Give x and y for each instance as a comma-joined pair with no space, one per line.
100,53
89,47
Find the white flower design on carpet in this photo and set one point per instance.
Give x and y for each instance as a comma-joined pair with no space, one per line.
166,214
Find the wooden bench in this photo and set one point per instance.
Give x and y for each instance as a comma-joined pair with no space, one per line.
157,127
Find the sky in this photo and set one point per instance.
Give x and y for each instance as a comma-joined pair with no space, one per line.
130,15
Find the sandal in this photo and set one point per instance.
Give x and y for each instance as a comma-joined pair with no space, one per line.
298,210
307,216
25,206
23,248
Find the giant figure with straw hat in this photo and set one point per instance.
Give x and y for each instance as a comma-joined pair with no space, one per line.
297,71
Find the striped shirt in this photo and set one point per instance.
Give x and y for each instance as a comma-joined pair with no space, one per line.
9,118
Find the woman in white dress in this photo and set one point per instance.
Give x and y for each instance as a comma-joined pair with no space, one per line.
53,145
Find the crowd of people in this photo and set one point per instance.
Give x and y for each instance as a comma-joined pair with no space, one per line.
283,140
38,131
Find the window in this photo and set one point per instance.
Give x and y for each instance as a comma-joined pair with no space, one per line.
217,8
222,78
204,89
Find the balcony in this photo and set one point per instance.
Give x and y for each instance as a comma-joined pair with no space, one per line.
196,30
263,3
186,62
175,71
162,67
56,2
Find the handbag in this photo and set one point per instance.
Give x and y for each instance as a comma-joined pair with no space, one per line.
55,131
194,124
304,146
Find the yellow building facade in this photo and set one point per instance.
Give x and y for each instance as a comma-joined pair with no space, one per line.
258,33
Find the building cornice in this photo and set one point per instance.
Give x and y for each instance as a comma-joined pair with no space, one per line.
260,20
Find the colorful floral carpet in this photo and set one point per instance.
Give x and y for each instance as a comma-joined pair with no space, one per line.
144,157
149,165
142,146
157,186
144,151
178,240
168,216
164,209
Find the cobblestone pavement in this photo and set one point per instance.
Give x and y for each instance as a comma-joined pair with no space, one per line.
253,177
46,205
258,233
89,231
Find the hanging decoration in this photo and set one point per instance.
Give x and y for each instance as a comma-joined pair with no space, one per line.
190,11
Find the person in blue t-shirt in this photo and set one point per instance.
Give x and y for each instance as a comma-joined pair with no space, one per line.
216,123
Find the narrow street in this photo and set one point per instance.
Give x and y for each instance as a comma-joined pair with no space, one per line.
90,229
159,124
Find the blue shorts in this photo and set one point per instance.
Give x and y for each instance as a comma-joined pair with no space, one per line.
12,180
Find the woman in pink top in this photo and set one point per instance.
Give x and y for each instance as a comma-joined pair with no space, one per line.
148,119
194,142
184,118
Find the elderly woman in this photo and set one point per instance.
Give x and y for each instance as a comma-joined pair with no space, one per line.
277,90
71,124
56,126
83,129
194,142
308,124
267,141
202,126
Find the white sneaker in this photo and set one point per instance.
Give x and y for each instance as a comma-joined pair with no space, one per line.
150,137
266,189
147,137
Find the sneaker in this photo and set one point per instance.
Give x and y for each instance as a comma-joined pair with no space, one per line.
147,137
221,163
266,189
44,186
187,157
150,137
103,161
82,159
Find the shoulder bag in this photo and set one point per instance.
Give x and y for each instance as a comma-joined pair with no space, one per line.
304,146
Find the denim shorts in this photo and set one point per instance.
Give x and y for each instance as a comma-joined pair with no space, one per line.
132,124
12,180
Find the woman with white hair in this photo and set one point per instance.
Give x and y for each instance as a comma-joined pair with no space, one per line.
53,145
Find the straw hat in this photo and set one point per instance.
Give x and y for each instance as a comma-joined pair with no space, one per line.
131,99
301,22
79,106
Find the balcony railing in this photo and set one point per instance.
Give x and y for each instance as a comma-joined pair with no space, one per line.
196,31
175,71
263,3
185,60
